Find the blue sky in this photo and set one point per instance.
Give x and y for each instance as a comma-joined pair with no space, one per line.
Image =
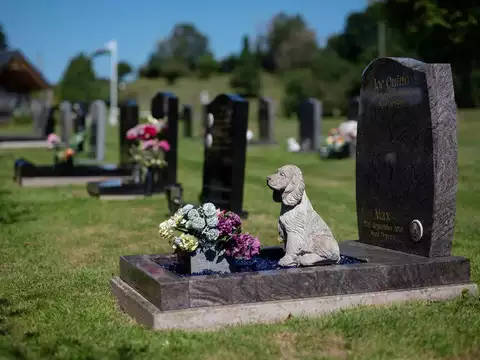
56,30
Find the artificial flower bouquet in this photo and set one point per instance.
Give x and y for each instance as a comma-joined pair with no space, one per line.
205,227
335,144
64,153
148,149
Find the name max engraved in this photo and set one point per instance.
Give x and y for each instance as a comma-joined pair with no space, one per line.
383,225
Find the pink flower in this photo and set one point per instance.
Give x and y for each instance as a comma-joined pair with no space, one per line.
164,145
147,131
52,140
132,134
148,144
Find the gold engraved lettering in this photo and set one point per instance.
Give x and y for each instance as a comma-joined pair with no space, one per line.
391,82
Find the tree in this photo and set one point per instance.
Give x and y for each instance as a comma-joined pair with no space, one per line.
246,77
174,69
3,39
442,31
289,43
123,69
78,82
185,44
299,85
229,63
206,66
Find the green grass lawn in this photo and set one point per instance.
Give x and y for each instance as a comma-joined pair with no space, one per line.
57,256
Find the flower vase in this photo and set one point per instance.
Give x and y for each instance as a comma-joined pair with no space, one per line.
148,182
137,174
201,260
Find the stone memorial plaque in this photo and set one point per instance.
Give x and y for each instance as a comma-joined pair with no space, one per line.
66,119
406,160
98,112
309,117
225,153
128,119
159,105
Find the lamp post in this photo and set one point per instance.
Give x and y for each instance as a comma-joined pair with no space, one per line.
112,48
381,33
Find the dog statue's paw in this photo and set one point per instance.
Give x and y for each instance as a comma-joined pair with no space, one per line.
314,259
287,261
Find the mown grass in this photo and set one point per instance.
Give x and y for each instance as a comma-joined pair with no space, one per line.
60,247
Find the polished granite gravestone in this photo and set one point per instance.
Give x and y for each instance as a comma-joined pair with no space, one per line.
225,153
160,298
155,181
98,112
266,122
309,121
187,118
406,165
27,173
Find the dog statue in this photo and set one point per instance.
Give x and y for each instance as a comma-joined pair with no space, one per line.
307,238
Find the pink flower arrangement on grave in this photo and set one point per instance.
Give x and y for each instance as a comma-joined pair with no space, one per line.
243,246
147,149
53,140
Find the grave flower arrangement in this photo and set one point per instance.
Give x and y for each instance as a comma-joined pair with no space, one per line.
206,228
335,144
64,153
148,148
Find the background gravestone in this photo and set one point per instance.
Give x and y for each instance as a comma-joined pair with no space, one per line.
309,117
98,112
159,105
225,153
39,117
406,165
49,114
169,103
187,121
128,120
266,119
353,110
66,119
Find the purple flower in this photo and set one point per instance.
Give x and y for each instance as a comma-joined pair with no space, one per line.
228,223
243,246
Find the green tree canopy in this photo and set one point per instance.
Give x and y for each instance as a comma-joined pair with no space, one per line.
78,82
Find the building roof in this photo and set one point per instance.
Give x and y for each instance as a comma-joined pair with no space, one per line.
18,75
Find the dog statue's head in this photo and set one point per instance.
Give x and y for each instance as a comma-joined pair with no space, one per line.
287,185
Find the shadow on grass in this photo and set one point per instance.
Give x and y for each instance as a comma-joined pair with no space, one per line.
12,212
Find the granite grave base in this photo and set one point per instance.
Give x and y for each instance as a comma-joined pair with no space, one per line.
22,144
28,174
161,299
121,189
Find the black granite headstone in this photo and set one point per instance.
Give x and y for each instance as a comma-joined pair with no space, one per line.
159,105
225,153
128,120
187,117
309,117
406,161
50,124
166,103
204,118
353,110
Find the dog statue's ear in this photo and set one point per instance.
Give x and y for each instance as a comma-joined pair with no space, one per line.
293,193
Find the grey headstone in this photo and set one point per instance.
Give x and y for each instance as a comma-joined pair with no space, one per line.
128,119
66,120
309,117
39,116
266,118
98,112
406,164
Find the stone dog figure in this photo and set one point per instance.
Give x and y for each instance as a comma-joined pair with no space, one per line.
307,238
